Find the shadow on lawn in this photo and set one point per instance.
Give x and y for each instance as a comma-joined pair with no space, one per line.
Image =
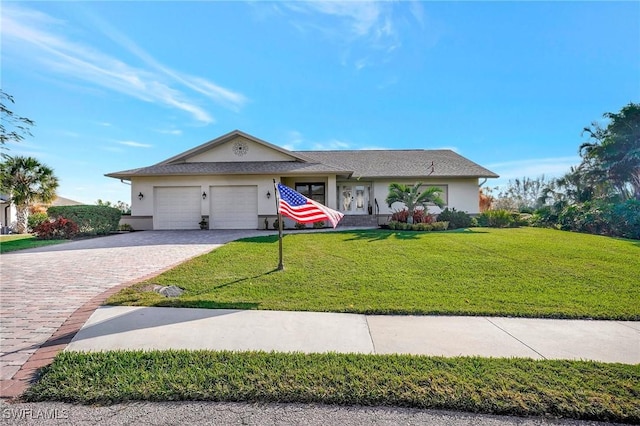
270,239
385,234
378,235
240,280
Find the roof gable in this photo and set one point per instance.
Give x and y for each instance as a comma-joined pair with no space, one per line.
235,146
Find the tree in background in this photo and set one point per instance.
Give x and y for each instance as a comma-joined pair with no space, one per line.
13,128
602,194
613,153
120,205
522,195
575,186
26,181
411,197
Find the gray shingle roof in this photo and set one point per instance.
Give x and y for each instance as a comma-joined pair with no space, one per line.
231,168
367,164
401,163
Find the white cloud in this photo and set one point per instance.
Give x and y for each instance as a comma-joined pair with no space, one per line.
296,141
549,167
364,24
417,11
361,17
293,140
112,148
331,145
38,37
373,148
135,144
70,134
175,132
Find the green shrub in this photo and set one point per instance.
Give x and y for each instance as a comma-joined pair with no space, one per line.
625,219
424,227
593,217
440,226
91,220
299,225
435,226
455,218
60,229
496,219
522,219
125,227
36,219
318,225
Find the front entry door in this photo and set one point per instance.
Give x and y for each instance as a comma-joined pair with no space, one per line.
353,199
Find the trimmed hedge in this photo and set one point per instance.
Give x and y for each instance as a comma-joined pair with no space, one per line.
91,220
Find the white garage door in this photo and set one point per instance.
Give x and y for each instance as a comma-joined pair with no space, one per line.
178,207
234,207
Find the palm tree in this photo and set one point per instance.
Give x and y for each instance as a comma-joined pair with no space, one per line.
614,152
26,181
411,197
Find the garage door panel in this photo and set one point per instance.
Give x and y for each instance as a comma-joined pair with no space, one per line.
234,207
178,207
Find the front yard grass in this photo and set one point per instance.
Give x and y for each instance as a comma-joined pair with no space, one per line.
23,241
523,387
525,272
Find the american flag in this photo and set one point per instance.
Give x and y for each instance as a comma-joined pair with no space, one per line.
301,209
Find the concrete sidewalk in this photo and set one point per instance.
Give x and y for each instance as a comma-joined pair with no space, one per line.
118,327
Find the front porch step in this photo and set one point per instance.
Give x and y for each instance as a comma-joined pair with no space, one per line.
359,220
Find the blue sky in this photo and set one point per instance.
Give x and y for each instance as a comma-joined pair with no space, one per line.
120,85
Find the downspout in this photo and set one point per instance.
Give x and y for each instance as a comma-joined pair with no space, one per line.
6,215
483,182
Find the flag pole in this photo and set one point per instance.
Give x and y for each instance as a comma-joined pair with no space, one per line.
280,264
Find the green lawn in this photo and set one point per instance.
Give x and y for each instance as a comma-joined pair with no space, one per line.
528,272
23,241
524,387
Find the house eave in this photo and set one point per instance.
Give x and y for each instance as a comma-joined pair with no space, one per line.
425,177
129,177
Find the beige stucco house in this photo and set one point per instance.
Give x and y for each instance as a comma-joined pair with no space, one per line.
229,182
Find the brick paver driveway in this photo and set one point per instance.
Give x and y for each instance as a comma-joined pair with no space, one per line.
41,288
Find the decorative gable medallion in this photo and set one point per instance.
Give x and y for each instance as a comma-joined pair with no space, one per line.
240,148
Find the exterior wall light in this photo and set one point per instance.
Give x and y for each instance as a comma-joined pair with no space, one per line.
204,195
268,195
140,196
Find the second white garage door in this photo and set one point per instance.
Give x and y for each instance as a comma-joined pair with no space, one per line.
234,207
178,207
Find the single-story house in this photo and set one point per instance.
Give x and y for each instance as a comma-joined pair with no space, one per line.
7,213
228,182
8,210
